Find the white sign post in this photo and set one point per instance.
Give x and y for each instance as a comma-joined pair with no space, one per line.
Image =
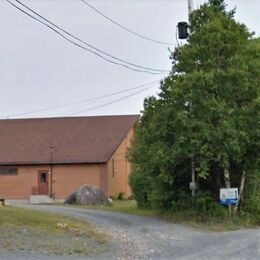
229,196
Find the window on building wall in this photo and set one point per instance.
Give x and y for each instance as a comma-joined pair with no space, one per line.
8,171
43,177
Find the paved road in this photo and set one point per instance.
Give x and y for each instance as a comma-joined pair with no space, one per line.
134,237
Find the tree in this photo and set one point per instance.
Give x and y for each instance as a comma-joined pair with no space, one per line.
206,111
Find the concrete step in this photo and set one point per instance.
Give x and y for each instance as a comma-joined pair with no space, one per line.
40,199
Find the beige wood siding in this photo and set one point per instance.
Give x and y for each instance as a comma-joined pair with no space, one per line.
19,186
119,168
68,178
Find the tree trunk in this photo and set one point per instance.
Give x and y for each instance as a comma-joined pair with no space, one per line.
227,178
242,184
227,183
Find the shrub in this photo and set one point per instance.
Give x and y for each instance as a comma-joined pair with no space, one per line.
121,196
206,204
131,197
113,197
251,199
141,188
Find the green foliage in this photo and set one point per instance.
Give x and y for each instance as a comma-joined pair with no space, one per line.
121,196
113,197
251,198
205,204
207,111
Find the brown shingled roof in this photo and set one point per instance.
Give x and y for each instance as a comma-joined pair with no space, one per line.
75,139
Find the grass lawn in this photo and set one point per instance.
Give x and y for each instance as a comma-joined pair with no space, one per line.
34,231
188,217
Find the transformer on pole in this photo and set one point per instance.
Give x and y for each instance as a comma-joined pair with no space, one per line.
183,30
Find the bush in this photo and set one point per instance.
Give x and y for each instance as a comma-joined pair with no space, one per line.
113,197
251,199
121,196
206,204
140,187
181,200
131,197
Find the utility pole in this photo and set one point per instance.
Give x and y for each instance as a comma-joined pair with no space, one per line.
183,34
193,177
190,7
183,26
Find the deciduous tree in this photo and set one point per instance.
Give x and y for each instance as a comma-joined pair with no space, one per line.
207,111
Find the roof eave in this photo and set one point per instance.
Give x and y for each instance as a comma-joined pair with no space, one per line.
52,163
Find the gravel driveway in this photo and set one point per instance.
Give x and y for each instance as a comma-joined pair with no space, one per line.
134,237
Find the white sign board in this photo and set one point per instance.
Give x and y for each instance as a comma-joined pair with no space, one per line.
229,196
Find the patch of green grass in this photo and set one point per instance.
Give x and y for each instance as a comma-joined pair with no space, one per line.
30,230
208,222
189,217
127,206
124,206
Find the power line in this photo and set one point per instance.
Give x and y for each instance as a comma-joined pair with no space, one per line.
124,27
150,84
145,69
83,108
82,101
136,68
110,103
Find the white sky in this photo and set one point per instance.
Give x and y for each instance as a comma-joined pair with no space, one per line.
39,69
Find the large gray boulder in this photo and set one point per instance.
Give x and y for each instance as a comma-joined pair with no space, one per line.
88,195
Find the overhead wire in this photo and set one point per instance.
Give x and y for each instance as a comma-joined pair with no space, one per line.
124,27
109,103
83,108
97,52
51,108
152,71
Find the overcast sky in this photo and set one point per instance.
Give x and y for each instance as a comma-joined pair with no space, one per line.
40,70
